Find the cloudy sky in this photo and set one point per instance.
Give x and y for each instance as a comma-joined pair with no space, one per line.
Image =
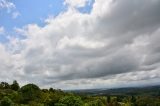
80,44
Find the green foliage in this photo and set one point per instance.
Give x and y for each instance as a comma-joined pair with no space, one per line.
4,85
14,96
60,104
71,101
96,101
29,92
6,102
33,103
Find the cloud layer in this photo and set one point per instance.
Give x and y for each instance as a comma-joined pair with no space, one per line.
9,7
117,44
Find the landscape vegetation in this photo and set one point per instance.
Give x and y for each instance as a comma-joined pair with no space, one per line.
32,95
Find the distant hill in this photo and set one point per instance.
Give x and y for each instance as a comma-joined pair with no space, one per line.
128,91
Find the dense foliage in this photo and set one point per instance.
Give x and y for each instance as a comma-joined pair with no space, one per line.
32,95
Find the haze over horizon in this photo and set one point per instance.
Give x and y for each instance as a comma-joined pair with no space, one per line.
80,44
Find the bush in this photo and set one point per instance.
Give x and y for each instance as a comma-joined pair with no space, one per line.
71,101
6,102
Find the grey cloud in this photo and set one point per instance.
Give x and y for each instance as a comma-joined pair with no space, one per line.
130,16
119,62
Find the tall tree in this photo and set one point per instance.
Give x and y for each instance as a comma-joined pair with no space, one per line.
15,86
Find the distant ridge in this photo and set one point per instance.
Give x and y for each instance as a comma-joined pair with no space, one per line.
153,90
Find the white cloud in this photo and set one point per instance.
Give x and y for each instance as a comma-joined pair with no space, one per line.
15,14
76,3
78,41
5,4
2,30
10,7
115,44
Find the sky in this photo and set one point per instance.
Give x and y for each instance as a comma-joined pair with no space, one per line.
80,44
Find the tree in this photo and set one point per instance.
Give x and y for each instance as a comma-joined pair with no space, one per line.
15,86
133,99
51,90
4,85
71,101
29,92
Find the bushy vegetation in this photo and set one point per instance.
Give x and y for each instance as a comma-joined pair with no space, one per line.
32,95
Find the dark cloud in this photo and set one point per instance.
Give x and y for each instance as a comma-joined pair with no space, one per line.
126,17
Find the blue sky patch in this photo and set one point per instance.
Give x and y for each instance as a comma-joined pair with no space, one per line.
33,11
